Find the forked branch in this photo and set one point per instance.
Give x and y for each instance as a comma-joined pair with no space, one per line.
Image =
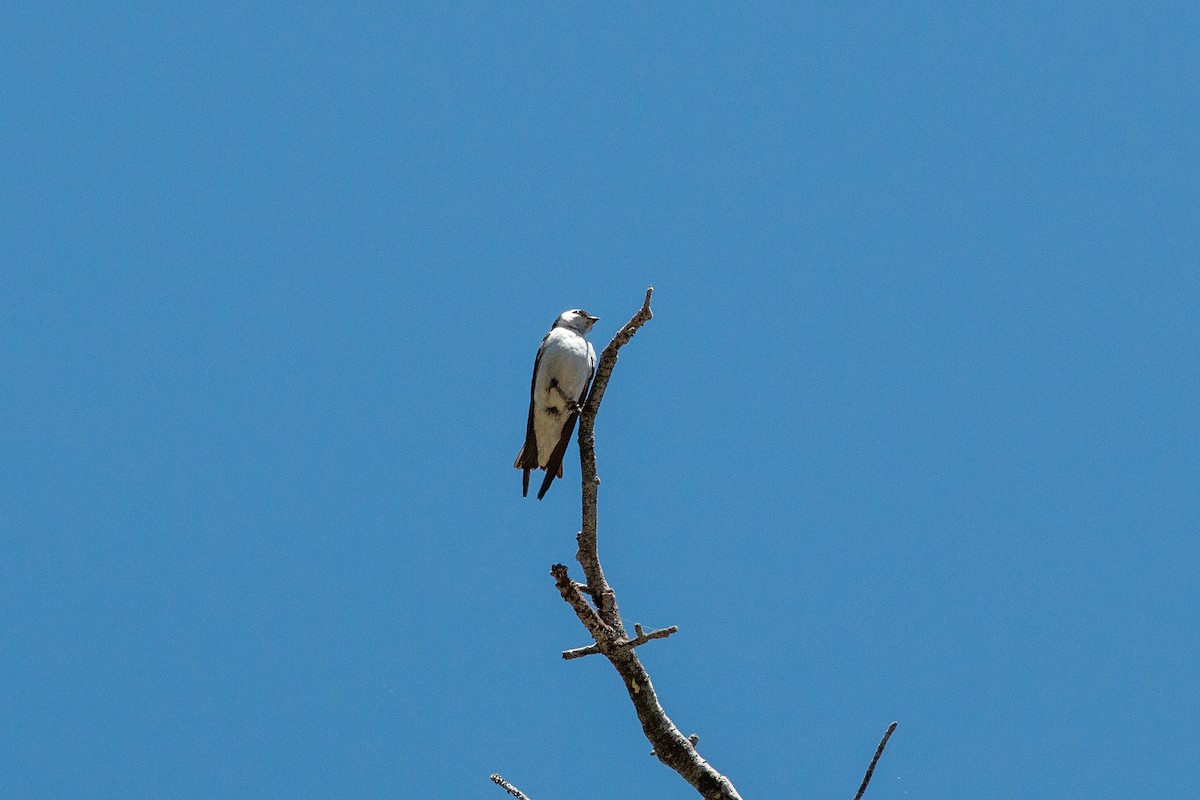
603,621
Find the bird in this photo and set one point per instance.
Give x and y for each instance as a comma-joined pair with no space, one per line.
562,373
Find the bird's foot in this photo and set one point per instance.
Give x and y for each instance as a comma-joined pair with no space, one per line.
572,405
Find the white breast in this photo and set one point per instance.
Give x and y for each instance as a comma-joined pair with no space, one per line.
567,358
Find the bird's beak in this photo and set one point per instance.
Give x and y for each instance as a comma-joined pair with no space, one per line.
593,319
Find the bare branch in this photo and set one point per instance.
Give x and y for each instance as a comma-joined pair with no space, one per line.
871,769
661,633
638,641
588,555
604,621
508,787
580,652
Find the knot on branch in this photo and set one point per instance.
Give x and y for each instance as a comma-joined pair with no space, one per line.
693,740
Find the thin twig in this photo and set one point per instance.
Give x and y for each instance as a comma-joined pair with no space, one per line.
638,641
508,787
580,652
871,769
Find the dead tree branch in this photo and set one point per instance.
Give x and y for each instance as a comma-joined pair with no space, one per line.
508,787
588,555
871,769
603,621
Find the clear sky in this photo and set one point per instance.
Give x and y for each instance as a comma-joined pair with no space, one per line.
912,436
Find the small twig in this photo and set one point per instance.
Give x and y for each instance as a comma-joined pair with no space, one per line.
580,652
508,787
641,639
661,633
871,769
569,590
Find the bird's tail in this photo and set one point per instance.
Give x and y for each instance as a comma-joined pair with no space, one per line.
526,460
554,464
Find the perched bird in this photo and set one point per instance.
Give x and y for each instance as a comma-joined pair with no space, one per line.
562,373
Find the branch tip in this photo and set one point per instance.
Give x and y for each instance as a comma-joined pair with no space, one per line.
871,769
508,787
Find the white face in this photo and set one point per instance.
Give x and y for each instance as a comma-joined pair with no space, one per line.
577,320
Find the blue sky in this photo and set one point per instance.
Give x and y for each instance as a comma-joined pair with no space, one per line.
913,434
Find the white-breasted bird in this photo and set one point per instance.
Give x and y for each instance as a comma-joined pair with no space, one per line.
562,373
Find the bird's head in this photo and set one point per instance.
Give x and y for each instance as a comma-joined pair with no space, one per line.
577,320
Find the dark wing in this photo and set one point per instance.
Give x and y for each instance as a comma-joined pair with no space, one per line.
528,457
554,465
588,386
